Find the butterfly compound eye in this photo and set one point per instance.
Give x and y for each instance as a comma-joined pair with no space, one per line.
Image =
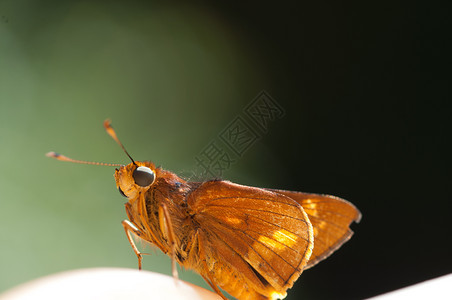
143,176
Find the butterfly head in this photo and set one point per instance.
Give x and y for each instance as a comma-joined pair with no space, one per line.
135,177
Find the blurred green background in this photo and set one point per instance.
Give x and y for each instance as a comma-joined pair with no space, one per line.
172,76
169,78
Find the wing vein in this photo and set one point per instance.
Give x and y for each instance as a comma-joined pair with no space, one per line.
323,220
257,253
281,228
327,211
263,199
262,210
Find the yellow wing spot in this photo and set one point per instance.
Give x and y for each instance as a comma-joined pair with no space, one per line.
232,220
307,201
276,295
270,242
285,237
310,206
279,240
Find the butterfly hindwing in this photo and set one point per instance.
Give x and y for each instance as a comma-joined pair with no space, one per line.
330,217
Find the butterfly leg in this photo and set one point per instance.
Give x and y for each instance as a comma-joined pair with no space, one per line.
129,227
167,225
214,287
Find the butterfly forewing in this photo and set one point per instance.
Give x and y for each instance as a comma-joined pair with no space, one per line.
330,218
267,231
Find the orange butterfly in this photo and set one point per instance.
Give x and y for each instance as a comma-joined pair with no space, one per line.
251,242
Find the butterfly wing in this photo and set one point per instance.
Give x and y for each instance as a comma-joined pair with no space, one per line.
261,237
330,218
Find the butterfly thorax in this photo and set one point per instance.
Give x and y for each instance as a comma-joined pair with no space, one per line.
146,204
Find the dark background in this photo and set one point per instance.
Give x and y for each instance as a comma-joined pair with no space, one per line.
366,93
368,100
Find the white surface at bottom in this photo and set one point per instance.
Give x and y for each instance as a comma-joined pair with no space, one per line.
435,289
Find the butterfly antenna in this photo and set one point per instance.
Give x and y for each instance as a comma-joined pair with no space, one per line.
65,158
112,133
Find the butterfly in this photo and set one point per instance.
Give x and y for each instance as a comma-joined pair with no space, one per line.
251,242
